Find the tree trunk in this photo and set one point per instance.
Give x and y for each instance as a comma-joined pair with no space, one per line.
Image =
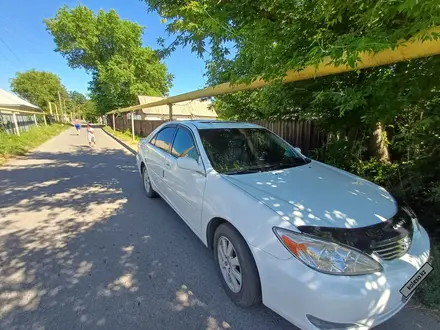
378,145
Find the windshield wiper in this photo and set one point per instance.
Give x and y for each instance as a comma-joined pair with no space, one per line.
281,166
246,171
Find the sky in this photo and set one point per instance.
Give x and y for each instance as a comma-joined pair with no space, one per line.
25,44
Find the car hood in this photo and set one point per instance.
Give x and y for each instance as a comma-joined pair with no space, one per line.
317,194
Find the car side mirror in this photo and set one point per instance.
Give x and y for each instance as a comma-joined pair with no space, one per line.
190,164
297,149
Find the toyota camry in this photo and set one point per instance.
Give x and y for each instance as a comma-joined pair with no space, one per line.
323,248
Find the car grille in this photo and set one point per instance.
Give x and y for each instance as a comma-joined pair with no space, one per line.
392,249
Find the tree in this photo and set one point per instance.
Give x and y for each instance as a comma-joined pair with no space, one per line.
271,37
77,98
38,87
90,111
111,50
76,103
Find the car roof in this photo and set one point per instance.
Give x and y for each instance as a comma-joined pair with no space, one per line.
212,124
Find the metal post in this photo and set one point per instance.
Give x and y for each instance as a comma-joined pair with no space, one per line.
17,130
45,121
132,124
114,124
50,107
35,120
170,111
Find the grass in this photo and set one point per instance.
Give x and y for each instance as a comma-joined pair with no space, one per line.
12,145
429,293
124,137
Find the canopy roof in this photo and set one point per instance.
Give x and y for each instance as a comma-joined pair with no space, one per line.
10,101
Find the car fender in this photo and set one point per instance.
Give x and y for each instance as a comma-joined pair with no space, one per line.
253,219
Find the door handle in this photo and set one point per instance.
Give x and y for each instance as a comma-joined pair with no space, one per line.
167,165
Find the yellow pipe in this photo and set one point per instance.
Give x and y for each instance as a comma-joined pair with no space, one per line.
9,110
406,50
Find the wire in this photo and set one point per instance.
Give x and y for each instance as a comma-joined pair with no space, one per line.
5,57
13,53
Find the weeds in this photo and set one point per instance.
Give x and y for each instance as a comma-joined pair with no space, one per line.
124,136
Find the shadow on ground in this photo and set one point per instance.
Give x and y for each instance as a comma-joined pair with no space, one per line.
82,247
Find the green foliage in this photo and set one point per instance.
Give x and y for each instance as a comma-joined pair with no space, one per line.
38,87
111,50
13,145
82,107
77,98
90,111
271,37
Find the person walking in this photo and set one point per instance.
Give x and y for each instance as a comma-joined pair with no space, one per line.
78,127
91,135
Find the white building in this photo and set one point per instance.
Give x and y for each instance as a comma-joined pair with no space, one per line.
195,109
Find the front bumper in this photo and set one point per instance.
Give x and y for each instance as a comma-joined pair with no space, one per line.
294,290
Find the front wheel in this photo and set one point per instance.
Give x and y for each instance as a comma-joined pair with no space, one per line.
236,266
147,184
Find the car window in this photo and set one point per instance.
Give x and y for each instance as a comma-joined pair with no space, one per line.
184,145
247,150
164,138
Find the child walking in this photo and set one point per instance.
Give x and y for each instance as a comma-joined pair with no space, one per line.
91,135
78,127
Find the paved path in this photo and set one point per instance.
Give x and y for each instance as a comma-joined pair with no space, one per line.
81,247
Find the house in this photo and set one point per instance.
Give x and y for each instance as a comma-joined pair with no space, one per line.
195,109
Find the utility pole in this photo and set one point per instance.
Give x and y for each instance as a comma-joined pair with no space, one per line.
61,106
56,109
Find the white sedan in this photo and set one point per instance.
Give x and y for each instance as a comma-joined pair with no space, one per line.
321,247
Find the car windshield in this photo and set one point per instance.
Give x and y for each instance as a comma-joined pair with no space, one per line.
248,150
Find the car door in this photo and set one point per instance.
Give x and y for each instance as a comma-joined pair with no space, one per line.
187,186
159,148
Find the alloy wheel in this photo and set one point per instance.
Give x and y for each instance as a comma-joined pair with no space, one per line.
229,264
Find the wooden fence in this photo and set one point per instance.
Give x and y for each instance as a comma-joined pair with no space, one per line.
303,134
141,127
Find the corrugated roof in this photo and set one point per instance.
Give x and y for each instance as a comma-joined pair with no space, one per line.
195,107
12,101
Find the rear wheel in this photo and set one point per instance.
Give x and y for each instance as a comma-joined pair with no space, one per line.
236,266
147,184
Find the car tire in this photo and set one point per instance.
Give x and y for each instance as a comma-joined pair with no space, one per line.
248,292
147,184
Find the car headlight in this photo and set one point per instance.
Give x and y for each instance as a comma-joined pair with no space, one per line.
325,256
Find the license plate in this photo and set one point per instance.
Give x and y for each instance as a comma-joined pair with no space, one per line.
416,280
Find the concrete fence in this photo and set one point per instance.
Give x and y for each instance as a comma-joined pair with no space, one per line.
15,123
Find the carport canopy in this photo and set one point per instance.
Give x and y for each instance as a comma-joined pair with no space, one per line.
13,103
